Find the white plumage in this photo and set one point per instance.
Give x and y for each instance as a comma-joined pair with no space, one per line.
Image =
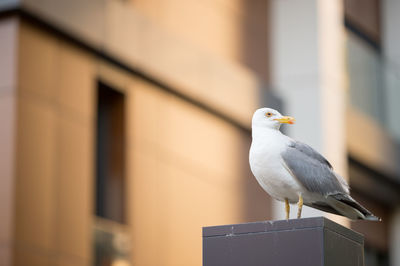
292,171
268,168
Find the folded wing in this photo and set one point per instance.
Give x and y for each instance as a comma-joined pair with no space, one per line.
315,173
312,170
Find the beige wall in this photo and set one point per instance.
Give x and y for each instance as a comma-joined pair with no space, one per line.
54,170
235,30
128,32
187,168
192,168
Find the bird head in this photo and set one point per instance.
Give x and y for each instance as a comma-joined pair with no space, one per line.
270,118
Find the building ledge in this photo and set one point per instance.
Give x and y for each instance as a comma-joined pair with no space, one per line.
120,34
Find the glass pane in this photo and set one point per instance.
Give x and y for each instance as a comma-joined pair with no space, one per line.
374,85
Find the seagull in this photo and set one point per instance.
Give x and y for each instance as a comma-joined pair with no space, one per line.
292,171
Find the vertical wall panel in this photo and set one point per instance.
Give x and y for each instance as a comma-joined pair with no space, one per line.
8,66
35,175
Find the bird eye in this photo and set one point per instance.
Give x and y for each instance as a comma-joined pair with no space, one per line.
268,114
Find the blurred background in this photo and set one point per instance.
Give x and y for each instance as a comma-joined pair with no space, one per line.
125,125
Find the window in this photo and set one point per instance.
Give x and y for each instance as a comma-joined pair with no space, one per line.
362,17
110,155
379,194
111,237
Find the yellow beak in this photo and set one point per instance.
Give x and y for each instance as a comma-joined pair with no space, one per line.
286,120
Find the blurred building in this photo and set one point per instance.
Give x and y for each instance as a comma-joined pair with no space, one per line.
125,124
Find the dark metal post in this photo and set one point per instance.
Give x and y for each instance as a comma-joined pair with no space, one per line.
301,242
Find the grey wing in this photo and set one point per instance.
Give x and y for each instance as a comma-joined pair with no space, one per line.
306,149
312,170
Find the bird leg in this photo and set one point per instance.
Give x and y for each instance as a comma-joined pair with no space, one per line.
300,205
287,208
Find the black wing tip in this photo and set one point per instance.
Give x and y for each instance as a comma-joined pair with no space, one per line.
364,213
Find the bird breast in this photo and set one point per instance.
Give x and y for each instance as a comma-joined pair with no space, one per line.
268,168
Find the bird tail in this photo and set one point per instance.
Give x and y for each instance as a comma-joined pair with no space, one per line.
347,206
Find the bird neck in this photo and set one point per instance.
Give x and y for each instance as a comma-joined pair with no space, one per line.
264,132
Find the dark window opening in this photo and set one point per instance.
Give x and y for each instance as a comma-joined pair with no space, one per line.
110,154
378,193
362,17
